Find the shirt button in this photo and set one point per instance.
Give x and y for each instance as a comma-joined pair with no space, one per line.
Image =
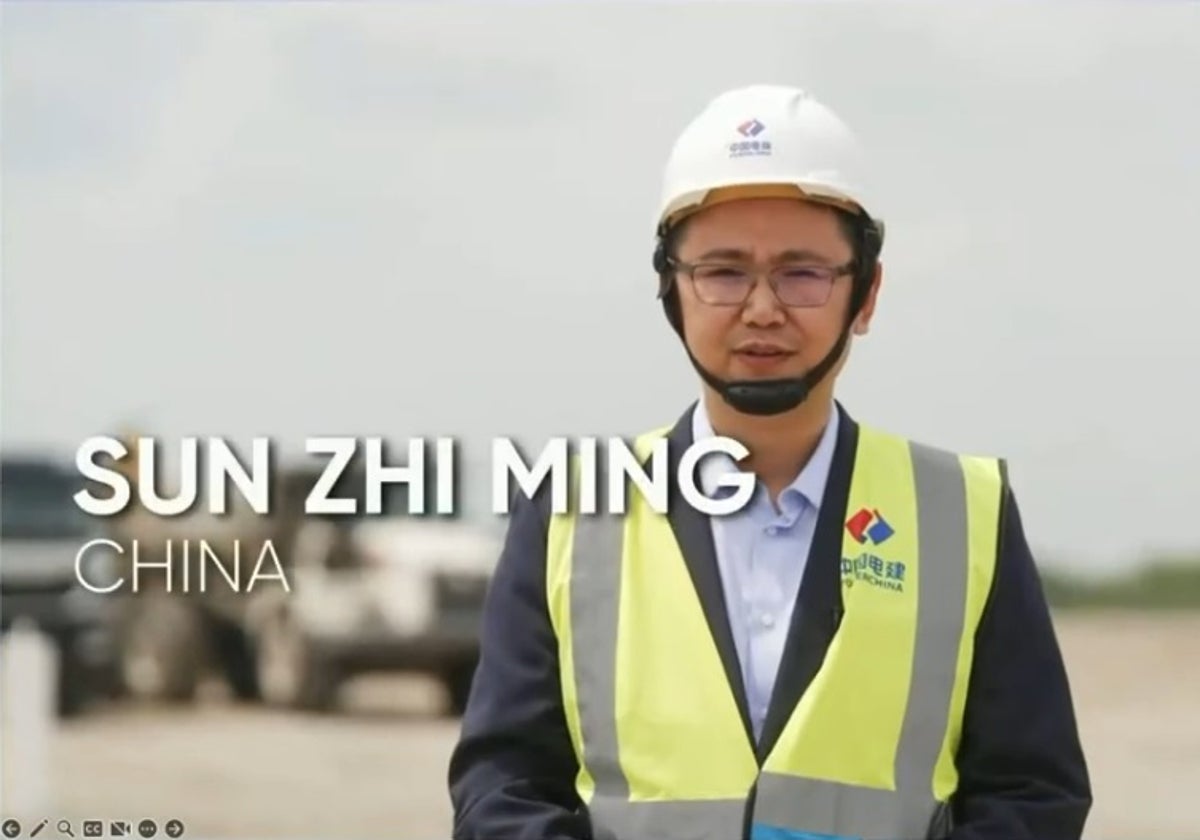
767,620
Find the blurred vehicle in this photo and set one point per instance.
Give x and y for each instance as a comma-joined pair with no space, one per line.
373,594
41,532
389,592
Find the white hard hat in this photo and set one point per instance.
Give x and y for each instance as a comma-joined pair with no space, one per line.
764,140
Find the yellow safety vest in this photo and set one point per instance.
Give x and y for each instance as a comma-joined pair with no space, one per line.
869,749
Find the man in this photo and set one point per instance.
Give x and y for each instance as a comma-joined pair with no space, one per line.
863,650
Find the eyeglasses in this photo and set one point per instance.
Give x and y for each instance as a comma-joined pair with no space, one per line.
730,284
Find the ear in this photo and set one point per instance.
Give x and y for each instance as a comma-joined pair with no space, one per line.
862,323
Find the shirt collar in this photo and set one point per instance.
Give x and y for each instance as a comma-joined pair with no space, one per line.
809,483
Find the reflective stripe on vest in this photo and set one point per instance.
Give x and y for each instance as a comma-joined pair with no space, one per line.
868,751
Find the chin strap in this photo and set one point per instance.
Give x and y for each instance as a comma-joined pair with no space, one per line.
765,397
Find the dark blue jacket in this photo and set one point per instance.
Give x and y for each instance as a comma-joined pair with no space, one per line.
1022,771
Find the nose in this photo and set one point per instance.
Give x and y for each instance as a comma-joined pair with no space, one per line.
762,307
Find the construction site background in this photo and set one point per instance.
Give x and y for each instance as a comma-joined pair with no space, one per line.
402,220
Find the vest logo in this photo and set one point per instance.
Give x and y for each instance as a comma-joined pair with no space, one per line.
869,525
874,571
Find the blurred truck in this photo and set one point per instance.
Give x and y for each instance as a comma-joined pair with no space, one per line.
366,593
41,533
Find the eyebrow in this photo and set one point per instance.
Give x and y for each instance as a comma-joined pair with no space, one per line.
791,255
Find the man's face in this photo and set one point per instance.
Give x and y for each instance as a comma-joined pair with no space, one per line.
762,338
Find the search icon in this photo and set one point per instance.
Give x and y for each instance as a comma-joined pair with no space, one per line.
64,827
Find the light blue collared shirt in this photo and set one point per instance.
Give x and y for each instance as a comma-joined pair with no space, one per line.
761,553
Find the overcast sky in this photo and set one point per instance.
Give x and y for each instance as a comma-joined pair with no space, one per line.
294,219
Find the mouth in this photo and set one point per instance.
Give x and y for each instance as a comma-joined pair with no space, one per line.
761,357
762,350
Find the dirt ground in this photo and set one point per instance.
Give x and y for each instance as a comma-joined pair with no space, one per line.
378,768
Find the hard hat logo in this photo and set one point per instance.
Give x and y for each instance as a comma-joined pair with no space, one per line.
749,147
751,128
